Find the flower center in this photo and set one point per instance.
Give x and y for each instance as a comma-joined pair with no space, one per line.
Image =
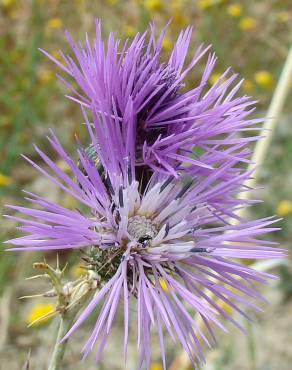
142,229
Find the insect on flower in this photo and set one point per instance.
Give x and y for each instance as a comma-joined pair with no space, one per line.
172,226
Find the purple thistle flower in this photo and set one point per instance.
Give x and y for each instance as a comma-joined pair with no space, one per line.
175,225
176,230
167,122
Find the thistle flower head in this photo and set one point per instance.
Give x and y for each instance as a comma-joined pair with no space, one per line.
172,226
175,230
129,81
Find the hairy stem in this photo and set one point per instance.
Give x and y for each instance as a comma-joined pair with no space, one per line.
66,321
270,125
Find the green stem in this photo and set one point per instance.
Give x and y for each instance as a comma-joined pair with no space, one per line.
59,349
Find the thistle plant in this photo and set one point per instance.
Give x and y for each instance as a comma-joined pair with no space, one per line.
159,182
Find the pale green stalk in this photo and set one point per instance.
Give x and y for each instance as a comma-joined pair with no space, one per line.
272,119
66,321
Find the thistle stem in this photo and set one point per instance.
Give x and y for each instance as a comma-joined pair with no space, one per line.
66,321
273,115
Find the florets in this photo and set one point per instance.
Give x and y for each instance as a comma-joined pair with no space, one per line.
151,212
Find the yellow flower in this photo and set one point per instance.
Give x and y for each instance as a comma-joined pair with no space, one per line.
63,165
156,366
68,201
179,19
204,4
247,23
248,85
112,2
284,208
234,10
214,78
7,3
264,78
163,284
46,76
283,16
77,271
56,55
55,23
153,5
4,180
166,44
129,31
39,310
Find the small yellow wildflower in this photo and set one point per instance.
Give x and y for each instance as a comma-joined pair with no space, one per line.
204,4
46,76
234,10
63,165
153,5
112,2
264,78
4,180
7,3
179,19
77,271
68,201
156,366
56,54
163,284
214,78
166,44
247,23
55,23
284,208
248,85
283,16
39,310
130,31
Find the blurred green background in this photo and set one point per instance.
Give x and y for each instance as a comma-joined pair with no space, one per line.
251,36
